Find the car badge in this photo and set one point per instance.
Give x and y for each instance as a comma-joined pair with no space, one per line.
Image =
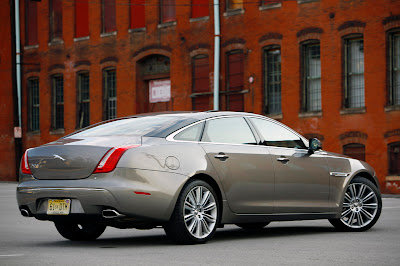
55,156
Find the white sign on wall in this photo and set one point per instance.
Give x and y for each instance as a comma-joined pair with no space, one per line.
160,90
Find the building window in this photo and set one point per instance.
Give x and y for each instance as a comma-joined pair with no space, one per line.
31,23
167,11
33,113
83,105
355,150
81,18
55,19
354,72
234,4
110,94
58,102
394,158
199,8
108,16
311,68
235,81
394,57
138,17
272,80
200,83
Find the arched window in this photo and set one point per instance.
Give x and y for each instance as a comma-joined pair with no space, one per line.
355,150
110,93
33,104
394,158
200,83
272,79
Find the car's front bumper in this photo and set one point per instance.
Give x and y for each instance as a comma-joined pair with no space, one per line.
135,193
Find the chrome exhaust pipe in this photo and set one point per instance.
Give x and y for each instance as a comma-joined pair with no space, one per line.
25,213
110,213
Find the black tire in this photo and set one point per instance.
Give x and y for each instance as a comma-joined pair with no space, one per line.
176,228
252,226
80,232
343,225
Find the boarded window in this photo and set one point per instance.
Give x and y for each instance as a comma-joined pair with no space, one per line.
272,80
394,158
199,8
110,94
138,18
234,4
311,97
81,18
108,16
394,53
55,19
354,73
58,102
83,97
201,83
167,13
34,116
235,81
31,23
355,150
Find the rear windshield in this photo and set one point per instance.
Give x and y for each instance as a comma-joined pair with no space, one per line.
157,126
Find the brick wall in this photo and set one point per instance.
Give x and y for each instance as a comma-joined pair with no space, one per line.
286,24
7,150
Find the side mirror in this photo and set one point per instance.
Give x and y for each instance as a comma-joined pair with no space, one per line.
314,144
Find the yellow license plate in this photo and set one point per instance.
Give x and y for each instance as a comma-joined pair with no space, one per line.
58,206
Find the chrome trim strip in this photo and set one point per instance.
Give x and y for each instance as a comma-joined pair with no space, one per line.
31,190
339,174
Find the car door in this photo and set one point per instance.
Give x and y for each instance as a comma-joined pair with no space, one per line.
301,179
244,168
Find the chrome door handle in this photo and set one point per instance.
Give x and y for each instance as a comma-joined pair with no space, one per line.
221,156
282,159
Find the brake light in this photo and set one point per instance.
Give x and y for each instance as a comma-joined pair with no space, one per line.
25,165
111,158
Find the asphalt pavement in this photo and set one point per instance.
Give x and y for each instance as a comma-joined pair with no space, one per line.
27,241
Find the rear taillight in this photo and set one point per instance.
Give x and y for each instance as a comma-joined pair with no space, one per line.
111,158
25,164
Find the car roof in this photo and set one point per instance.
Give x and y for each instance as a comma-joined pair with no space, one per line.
197,115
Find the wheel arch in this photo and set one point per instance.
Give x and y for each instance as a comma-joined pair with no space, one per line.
208,179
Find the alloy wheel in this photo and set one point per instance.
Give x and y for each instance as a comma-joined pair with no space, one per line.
360,205
200,212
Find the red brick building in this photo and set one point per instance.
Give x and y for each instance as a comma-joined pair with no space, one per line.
327,68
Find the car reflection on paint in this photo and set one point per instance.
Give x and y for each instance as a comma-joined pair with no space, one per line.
192,172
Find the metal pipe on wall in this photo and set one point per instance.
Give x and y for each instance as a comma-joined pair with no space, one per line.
216,54
18,60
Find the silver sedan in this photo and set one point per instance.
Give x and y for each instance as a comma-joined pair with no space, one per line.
192,172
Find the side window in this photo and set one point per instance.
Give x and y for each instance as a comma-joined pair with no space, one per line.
276,135
233,130
190,134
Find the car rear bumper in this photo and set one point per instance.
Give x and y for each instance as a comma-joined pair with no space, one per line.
135,193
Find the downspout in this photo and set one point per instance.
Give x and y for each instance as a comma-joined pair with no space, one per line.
216,54
17,76
18,61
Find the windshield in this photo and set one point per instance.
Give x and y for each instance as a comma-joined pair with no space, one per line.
138,126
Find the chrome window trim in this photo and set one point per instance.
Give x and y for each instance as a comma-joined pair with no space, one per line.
172,135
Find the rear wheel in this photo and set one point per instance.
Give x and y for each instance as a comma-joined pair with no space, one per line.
252,226
362,206
80,232
196,214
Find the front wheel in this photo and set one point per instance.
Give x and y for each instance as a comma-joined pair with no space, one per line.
80,232
196,214
362,206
